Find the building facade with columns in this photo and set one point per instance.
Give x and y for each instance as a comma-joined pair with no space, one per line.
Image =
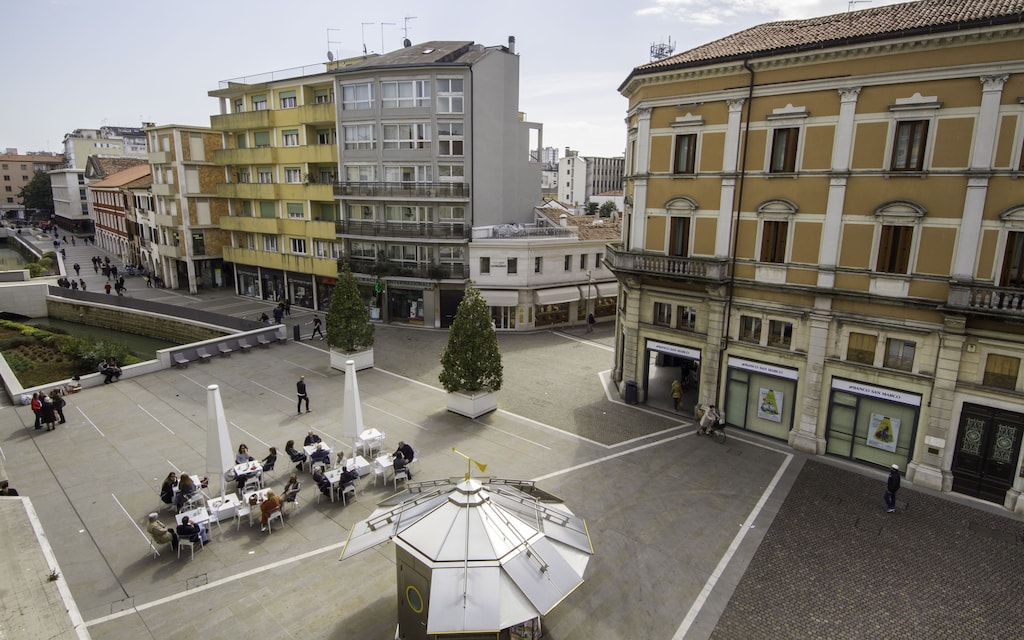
824,232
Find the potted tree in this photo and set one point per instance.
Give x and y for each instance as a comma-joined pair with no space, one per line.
349,331
471,363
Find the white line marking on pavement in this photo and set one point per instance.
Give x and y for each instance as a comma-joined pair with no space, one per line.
271,390
388,413
556,429
155,418
2,456
173,466
90,421
712,580
51,561
509,433
135,524
195,382
254,437
216,583
586,341
296,364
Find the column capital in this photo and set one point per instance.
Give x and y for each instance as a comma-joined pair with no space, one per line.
849,94
644,113
736,104
994,83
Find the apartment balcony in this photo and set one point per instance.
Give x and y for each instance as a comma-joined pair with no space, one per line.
656,264
246,156
170,251
163,189
247,190
282,261
987,299
278,226
241,121
303,191
317,113
440,190
249,225
443,230
160,157
386,268
162,220
318,153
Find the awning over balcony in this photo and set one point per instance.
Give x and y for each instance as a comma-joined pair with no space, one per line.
497,298
557,295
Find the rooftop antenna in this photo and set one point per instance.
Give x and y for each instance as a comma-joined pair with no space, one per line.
364,35
853,3
382,25
663,50
330,52
405,30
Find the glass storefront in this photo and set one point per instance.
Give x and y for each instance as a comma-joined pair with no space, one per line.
300,290
405,305
760,397
503,317
871,424
273,284
248,282
548,314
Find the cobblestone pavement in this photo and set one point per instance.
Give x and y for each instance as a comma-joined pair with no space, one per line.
835,565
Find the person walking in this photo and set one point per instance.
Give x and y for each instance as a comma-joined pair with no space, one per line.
58,404
81,283
78,269
591,321
278,313
300,389
106,287
677,393
891,487
37,408
317,327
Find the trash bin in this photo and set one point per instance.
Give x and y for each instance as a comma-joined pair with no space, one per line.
630,396
295,333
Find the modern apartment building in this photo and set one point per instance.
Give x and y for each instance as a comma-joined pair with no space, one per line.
182,235
824,224
580,178
384,161
17,170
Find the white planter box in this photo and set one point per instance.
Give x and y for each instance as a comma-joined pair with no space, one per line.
473,405
363,359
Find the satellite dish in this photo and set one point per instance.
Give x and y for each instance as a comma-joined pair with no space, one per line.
330,56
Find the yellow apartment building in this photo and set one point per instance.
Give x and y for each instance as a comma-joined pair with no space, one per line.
824,234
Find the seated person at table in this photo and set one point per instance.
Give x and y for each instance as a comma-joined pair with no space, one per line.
243,455
192,531
311,439
405,450
7,490
298,457
348,476
160,533
401,464
291,488
320,478
186,489
321,455
270,460
269,506
167,488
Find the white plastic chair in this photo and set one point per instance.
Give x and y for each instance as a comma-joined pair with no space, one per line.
182,542
276,515
347,489
401,474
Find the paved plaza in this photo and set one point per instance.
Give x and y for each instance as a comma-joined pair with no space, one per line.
692,539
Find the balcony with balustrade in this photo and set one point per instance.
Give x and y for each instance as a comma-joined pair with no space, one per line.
991,300
642,263
375,229
386,268
439,190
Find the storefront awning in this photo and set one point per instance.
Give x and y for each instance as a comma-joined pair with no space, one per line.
500,298
600,290
557,295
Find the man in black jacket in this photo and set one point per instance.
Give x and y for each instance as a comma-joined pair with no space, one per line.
892,486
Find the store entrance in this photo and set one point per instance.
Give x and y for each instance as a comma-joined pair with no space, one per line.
660,370
987,450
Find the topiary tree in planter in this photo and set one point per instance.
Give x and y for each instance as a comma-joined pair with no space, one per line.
471,363
349,329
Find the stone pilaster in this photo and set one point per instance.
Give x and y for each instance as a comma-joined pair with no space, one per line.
804,435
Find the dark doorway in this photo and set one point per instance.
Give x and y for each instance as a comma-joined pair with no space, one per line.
450,299
987,448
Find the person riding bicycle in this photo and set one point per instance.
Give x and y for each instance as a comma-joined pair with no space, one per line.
710,420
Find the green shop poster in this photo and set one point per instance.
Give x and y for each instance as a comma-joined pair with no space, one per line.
769,405
883,432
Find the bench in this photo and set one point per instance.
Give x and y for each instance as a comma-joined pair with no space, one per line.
203,354
244,345
224,349
262,340
180,360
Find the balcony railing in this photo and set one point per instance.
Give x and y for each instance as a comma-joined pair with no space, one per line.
402,229
401,190
406,270
619,259
987,298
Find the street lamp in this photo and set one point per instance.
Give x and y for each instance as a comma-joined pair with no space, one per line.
590,281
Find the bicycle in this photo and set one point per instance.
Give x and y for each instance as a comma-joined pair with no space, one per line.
716,431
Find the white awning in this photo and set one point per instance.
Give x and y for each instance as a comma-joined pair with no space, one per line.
600,290
499,298
557,295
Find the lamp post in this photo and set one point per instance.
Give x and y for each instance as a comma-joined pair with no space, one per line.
590,282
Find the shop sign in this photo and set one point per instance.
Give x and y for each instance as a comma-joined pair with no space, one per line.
881,393
674,349
767,369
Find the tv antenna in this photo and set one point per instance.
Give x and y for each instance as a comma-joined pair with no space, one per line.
405,30
382,25
852,4
364,35
662,50
330,52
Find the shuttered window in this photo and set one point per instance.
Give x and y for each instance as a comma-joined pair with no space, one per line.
894,249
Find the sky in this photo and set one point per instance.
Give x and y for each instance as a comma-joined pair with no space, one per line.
81,65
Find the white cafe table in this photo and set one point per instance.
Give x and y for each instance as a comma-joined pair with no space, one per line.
247,509
370,439
196,480
360,464
199,515
223,508
382,466
247,468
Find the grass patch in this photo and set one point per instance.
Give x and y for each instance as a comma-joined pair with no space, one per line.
38,356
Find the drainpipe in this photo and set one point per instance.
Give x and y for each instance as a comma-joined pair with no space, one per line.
737,206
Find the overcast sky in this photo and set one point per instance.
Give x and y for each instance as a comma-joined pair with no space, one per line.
74,64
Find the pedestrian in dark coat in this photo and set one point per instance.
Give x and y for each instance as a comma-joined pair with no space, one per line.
892,486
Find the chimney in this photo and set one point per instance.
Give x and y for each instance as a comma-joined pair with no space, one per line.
511,44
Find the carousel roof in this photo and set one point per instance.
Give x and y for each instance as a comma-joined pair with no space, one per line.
500,551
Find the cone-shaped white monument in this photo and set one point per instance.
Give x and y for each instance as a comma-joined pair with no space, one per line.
352,413
219,456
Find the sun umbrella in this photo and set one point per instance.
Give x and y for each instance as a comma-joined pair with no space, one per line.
218,445
352,413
